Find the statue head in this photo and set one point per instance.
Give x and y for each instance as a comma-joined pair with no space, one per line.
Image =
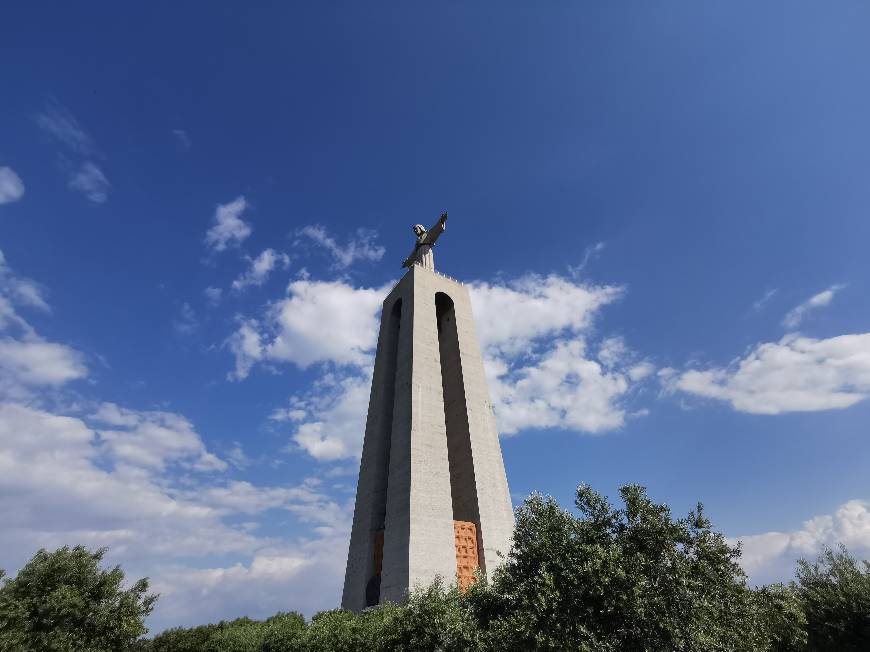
419,230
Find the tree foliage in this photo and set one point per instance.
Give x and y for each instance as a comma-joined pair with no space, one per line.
63,601
629,578
834,594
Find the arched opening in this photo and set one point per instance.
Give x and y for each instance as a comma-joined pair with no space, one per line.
388,398
463,489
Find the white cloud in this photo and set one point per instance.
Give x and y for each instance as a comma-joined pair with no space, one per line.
143,483
60,124
91,182
237,457
260,268
360,247
270,582
247,348
796,374
562,388
213,295
62,482
759,304
22,290
11,186
152,439
330,419
186,322
512,316
52,467
533,331
183,139
28,361
319,321
87,178
797,314
59,485
771,556
33,361
589,254
229,228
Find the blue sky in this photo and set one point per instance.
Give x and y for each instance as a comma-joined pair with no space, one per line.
661,212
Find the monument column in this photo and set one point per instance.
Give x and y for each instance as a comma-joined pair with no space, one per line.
432,498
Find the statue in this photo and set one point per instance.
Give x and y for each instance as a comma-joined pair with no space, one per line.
422,254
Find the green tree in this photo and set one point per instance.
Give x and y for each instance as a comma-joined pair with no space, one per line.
834,592
180,639
63,601
239,635
283,631
782,617
620,579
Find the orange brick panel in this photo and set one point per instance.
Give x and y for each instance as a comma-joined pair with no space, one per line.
467,561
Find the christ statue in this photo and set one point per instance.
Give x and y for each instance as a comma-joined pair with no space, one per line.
422,254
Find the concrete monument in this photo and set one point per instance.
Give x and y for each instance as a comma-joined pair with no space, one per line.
432,497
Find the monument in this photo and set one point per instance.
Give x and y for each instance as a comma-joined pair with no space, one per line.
432,497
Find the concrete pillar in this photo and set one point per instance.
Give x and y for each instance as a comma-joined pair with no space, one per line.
431,453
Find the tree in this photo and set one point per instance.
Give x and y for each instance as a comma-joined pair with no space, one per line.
620,579
282,631
63,601
834,592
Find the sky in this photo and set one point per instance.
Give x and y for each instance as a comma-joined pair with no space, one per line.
660,210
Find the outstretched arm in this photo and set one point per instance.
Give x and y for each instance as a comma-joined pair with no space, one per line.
409,261
437,229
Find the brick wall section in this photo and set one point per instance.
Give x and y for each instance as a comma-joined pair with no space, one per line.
467,560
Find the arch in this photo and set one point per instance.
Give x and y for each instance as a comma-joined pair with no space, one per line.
392,328
463,487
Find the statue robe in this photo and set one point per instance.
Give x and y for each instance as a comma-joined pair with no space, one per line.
422,254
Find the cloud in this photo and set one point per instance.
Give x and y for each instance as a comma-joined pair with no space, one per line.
771,556
144,484
237,457
86,177
534,332
91,182
513,315
65,481
590,253
796,374
61,125
182,138
797,314
246,346
186,322
152,439
229,228
360,247
329,420
213,295
759,305
542,372
268,583
22,290
11,186
318,321
76,487
34,361
260,268
28,361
